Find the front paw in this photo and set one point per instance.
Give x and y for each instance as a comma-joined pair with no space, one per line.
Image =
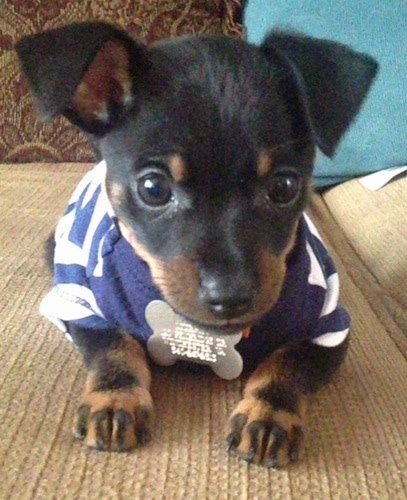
116,420
263,435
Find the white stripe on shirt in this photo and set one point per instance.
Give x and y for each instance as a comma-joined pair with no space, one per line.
331,339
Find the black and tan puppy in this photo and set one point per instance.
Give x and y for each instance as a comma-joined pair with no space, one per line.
208,145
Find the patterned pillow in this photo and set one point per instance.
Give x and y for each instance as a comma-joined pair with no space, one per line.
22,137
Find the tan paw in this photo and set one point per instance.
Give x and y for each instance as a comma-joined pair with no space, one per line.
116,420
263,435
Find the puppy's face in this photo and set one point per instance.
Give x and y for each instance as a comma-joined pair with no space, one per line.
209,144
208,177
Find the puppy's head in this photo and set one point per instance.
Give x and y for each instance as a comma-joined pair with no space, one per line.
209,144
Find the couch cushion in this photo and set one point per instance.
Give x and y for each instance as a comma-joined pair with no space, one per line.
356,430
374,225
377,139
22,137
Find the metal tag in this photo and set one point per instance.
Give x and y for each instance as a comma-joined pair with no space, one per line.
175,338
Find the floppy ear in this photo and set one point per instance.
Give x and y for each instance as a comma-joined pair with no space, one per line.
85,71
332,81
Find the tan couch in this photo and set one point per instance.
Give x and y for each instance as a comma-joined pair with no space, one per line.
356,445
356,436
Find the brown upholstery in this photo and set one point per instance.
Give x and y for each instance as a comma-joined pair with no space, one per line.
22,137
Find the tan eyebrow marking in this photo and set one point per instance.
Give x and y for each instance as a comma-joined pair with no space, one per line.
264,164
177,167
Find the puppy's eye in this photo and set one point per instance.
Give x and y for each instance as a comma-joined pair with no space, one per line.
284,188
154,189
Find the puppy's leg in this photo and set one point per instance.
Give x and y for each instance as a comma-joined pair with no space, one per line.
116,410
267,425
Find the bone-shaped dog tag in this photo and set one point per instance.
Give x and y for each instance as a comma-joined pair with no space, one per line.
175,338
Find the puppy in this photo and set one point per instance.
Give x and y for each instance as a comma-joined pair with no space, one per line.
208,145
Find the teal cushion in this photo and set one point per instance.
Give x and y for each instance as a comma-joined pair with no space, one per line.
378,137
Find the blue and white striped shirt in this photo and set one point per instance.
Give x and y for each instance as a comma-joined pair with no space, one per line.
99,282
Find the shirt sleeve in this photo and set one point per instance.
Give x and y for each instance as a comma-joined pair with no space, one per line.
333,324
75,303
77,242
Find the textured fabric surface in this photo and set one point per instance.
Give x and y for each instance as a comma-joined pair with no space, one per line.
22,137
356,435
374,224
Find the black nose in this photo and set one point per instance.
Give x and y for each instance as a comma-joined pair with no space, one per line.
227,297
229,307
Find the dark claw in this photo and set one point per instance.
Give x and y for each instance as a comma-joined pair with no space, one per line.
279,436
297,439
232,442
237,423
249,456
123,420
82,422
103,422
143,437
143,418
272,463
257,440
294,453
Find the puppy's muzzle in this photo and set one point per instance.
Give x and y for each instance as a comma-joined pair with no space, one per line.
227,295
